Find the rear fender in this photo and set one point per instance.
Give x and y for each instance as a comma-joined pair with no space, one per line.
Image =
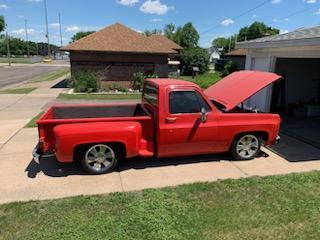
69,136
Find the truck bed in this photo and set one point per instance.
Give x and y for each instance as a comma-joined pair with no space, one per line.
68,114
102,111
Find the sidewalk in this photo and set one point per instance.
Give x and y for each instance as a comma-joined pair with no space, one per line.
16,110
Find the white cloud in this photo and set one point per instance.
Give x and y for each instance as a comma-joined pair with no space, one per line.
275,1
3,7
155,7
310,1
227,22
73,29
54,25
283,31
156,20
22,31
128,3
286,19
254,16
34,1
317,12
77,28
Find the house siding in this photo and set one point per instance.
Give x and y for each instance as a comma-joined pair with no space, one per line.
119,67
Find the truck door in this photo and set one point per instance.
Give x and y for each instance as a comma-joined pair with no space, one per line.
183,132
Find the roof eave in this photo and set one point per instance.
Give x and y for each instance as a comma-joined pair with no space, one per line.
102,51
281,43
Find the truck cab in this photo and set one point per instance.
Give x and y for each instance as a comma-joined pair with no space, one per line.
174,118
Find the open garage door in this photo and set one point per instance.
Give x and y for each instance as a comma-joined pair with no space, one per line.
297,99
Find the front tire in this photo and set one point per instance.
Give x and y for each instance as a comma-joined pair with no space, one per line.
99,159
245,146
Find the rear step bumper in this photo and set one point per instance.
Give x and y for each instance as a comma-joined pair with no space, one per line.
37,154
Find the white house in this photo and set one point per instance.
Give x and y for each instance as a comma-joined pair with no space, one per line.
214,53
295,56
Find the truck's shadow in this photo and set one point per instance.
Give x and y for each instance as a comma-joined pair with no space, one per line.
51,167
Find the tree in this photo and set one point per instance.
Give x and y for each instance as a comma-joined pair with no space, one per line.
80,35
152,32
2,23
221,43
169,31
194,57
256,30
188,36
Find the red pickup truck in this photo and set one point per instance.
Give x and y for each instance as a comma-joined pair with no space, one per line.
174,118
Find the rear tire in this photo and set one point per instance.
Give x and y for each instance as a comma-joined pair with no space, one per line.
245,146
99,158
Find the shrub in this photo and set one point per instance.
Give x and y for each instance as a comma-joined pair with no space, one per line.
194,57
138,80
85,81
117,87
229,68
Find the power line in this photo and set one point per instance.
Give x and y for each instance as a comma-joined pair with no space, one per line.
301,11
240,15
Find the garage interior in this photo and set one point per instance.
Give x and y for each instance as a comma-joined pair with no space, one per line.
297,98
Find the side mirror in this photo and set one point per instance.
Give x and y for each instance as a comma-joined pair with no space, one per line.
203,116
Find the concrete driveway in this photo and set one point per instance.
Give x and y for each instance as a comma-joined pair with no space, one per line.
17,74
22,179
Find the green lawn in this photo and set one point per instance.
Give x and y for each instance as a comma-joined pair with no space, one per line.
278,207
51,76
204,80
88,96
19,60
17,90
33,122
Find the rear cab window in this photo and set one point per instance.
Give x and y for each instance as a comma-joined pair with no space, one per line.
150,95
186,101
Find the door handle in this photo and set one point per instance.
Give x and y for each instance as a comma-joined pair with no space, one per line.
170,119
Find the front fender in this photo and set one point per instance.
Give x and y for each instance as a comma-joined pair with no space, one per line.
68,136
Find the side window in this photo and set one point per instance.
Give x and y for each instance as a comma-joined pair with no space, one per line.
186,102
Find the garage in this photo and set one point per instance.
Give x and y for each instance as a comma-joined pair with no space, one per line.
296,57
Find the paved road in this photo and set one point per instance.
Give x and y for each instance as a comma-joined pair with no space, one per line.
17,74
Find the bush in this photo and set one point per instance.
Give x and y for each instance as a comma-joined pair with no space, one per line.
138,80
85,81
117,87
194,57
229,68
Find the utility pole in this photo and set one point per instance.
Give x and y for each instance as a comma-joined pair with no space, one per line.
27,39
8,49
61,54
60,30
47,28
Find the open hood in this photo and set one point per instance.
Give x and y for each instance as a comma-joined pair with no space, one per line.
239,86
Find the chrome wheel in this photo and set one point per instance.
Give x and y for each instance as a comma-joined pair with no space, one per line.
100,157
247,146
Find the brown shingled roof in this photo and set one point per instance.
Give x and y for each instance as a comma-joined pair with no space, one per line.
119,38
237,53
166,42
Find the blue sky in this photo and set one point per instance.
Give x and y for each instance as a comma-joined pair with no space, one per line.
212,18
